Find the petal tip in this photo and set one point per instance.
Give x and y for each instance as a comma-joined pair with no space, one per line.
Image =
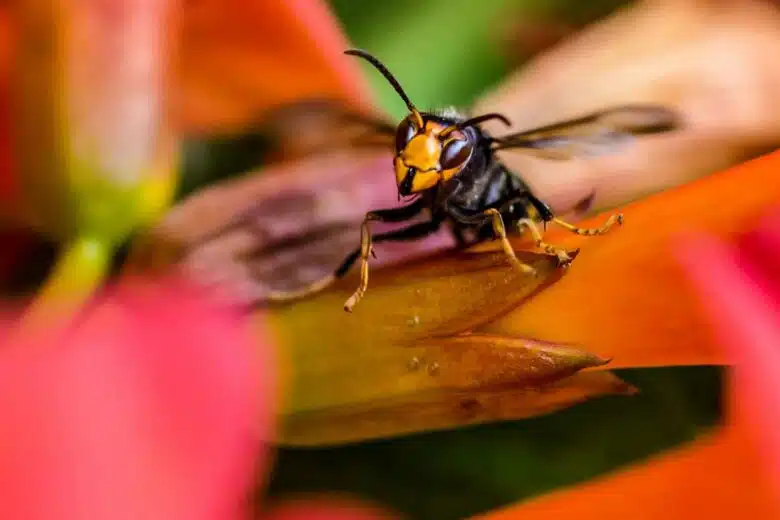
594,361
627,389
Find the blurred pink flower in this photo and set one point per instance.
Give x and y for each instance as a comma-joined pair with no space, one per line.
157,403
739,286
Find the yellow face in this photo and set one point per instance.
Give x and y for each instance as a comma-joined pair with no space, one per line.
427,153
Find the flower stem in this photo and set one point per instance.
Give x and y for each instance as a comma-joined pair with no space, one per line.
78,272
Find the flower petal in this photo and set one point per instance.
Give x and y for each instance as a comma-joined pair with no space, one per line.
8,184
147,408
725,475
431,411
625,298
240,58
745,311
94,153
94,148
351,373
715,477
279,228
366,374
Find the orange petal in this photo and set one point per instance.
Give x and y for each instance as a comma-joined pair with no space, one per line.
239,58
430,411
625,297
716,477
729,474
398,364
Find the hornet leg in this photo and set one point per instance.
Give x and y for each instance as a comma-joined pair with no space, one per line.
385,215
500,230
563,256
609,224
414,231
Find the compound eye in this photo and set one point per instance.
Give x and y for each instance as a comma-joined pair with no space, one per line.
406,130
454,154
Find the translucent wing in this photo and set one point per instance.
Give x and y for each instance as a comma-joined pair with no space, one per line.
599,133
312,126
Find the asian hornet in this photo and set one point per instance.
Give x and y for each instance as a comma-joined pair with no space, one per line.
447,164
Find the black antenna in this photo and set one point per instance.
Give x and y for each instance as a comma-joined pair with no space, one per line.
386,73
474,121
481,119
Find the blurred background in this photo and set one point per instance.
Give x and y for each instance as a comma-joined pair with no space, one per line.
468,48
447,53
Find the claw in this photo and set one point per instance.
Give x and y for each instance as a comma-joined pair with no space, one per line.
525,268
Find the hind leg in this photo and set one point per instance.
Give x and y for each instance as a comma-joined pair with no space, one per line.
608,225
494,216
530,213
563,256
544,212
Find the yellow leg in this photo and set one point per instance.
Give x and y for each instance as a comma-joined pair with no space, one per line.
563,256
500,231
609,224
366,250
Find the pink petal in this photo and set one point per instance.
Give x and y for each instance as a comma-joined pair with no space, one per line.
284,228
762,246
146,409
745,308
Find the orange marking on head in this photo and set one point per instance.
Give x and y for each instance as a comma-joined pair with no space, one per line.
423,154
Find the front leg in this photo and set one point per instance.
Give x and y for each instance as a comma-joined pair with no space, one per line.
385,215
499,229
412,232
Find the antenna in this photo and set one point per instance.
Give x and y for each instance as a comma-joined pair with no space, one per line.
389,77
474,121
